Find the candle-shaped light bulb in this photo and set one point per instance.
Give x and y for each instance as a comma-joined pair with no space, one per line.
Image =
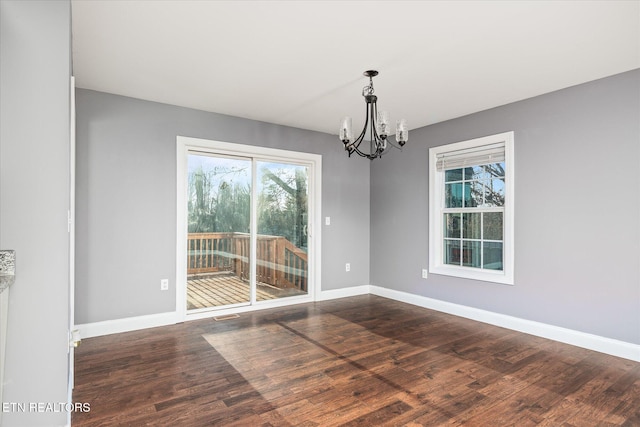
345,134
402,132
383,124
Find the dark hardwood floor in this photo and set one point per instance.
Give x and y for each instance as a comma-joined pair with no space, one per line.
358,361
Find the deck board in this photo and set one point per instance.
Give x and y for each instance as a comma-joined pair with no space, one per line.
226,289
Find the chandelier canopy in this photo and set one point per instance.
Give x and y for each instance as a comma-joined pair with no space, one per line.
376,125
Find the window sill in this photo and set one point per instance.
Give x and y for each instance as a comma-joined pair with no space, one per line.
473,273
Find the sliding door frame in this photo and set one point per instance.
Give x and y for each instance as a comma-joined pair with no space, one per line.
185,145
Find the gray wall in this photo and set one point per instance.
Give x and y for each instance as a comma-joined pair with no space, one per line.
577,210
126,200
34,199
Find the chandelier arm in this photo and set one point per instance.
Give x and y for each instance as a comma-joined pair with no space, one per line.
380,142
360,138
394,144
373,142
397,147
369,123
374,131
361,154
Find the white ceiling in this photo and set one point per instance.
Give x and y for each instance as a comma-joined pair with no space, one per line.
300,63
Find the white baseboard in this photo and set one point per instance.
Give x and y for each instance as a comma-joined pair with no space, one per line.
343,293
128,324
568,336
107,327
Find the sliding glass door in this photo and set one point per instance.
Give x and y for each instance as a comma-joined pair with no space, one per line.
282,230
219,229
247,228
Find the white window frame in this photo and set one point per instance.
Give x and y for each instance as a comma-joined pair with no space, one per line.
436,207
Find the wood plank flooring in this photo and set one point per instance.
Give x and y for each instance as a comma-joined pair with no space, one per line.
359,361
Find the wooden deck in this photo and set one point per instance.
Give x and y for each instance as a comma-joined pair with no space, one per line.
280,262
215,290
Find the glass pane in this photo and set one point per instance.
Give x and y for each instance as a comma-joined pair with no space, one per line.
492,226
452,225
452,252
469,201
474,195
471,225
471,254
494,192
453,195
492,256
476,172
218,206
495,169
282,230
453,175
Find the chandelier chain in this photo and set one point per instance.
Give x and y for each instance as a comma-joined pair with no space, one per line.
368,90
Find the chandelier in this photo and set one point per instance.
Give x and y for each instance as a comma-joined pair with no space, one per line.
376,125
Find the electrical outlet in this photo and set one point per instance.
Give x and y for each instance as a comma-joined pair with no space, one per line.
347,267
327,221
425,273
164,284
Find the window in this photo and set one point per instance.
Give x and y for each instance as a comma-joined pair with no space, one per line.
471,209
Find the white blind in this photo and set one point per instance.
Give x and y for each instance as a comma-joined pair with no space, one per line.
483,155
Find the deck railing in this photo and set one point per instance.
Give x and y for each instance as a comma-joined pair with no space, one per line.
279,262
